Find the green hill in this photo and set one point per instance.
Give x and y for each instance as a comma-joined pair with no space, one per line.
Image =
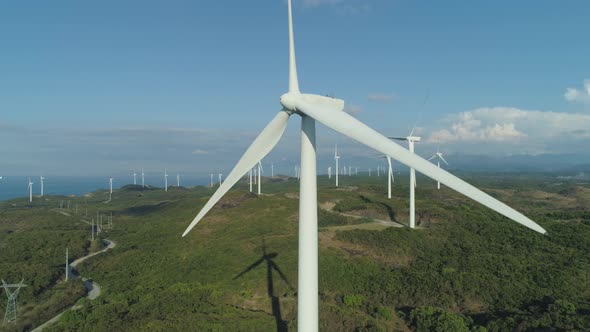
465,268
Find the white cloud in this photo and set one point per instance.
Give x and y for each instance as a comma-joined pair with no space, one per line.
200,152
512,130
380,97
468,126
581,96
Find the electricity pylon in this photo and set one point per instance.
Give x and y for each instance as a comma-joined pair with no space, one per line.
10,315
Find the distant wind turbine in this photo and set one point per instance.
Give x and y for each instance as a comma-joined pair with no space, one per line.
30,188
390,178
329,172
111,185
134,177
142,179
41,180
259,177
178,180
328,111
336,158
411,139
165,180
439,156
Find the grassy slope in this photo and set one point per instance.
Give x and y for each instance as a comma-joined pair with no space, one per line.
467,260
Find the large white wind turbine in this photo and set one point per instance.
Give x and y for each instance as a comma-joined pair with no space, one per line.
439,156
411,140
328,111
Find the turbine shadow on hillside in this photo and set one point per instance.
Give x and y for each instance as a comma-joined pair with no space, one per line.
270,266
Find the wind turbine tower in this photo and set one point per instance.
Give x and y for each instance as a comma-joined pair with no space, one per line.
250,179
111,185
178,180
390,179
11,291
134,177
30,187
142,179
220,175
41,178
336,158
67,265
259,177
439,156
328,111
165,180
330,172
411,140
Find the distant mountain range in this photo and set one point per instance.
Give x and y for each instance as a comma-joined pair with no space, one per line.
569,163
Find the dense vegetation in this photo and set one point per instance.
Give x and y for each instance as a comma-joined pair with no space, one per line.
465,269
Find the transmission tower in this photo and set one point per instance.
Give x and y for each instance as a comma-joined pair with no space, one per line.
11,292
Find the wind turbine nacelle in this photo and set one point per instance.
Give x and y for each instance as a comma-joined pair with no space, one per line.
414,138
292,100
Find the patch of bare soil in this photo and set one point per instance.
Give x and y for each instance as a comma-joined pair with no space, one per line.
231,201
292,195
351,188
328,240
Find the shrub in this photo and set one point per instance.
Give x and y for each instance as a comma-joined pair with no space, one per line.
354,300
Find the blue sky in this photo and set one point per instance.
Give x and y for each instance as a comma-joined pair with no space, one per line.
112,85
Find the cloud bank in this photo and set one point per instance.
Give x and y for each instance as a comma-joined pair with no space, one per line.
514,130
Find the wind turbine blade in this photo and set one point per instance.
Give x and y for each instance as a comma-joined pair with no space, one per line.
261,146
293,82
347,125
398,138
432,157
443,159
390,168
261,168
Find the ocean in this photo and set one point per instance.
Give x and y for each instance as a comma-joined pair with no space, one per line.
16,186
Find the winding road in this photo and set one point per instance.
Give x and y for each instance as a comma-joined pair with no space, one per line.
92,287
